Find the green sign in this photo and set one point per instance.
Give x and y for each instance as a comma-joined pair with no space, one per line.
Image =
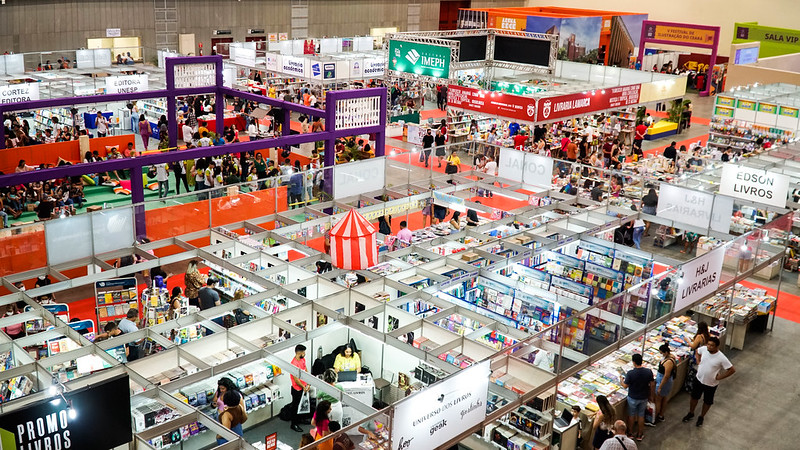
774,41
767,108
723,111
746,105
419,59
789,112
725,101
514,88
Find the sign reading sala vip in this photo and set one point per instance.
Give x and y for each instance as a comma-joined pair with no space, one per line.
756,185
441,412
44,425
419,59
701,277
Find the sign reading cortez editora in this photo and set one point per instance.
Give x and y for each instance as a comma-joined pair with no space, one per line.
126,84
15,93
419,59
755,185
701,277
443,411
695,208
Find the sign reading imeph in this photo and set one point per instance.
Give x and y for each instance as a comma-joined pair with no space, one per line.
126,84
436,415
753,184
419,59
15,93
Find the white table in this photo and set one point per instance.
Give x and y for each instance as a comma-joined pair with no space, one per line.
362,390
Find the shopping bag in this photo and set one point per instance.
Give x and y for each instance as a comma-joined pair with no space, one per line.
650,413
304,407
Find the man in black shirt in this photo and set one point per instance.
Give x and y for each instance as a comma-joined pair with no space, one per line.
472,217
670,152
427,143
726,155
207,296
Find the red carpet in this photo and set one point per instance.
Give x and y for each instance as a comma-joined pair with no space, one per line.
432,114
788,304
687,142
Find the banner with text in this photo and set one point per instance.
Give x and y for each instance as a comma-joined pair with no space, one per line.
754,184
680,33
528,168
432,417
701,277
695,208
571,105
127,84
16,93
420,59
492,103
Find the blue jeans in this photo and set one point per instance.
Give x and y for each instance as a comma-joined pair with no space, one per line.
637,408
666,388
4,215
237,429
637,236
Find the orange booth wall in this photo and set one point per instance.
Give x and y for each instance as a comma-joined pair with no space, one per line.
49,153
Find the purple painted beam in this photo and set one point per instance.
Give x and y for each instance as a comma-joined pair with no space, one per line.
273,102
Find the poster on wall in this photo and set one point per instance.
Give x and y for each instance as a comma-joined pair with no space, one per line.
701,277
756,185
420,59
441,412
48,425
16,93
579,39
126,84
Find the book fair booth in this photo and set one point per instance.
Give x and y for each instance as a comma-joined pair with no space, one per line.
479,334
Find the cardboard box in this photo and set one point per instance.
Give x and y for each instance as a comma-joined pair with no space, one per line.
93,208
469,256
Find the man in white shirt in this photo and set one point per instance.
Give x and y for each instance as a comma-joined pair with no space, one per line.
712,366
313,101
101,124
491,166
187,133
48,136
205,141
162,176
620,441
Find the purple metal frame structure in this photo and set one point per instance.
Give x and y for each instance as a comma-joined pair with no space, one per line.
171,93
648,31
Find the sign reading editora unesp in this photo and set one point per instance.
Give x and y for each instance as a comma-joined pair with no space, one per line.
127,84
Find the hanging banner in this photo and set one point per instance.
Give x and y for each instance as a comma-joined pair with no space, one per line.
755,185
127,84
420,59
356,68
449,201
511,164
16,93
571,105
329,71
680,33
508,23
293,66
538,170
695,208
444,410
271,61
374,68
701,277
492,103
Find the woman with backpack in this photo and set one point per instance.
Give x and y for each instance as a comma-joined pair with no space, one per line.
664,380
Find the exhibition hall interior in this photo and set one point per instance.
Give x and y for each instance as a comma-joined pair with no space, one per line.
399,225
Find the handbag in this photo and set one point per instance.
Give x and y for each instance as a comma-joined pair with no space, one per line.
450,168
304,407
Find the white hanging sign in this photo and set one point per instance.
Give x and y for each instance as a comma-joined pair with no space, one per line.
126,84
16,93
701,277
293,66
694,207
756,185
434,416
374,68
511,164
538,170
113,32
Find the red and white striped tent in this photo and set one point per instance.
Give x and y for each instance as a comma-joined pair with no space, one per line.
353,243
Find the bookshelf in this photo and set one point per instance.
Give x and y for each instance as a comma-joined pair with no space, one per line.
114,298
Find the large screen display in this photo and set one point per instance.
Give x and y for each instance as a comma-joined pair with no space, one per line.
522,50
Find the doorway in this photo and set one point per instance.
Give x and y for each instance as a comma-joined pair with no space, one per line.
448,13
219,46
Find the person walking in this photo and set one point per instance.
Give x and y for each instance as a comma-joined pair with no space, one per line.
639,383
101,124
193,280
298,386
162,176
427,143
664,380
144,130
620,441
179,167
712,367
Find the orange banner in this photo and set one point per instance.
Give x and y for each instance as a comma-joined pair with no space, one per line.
507,23
683,34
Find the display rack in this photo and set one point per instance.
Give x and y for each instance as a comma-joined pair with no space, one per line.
114,298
